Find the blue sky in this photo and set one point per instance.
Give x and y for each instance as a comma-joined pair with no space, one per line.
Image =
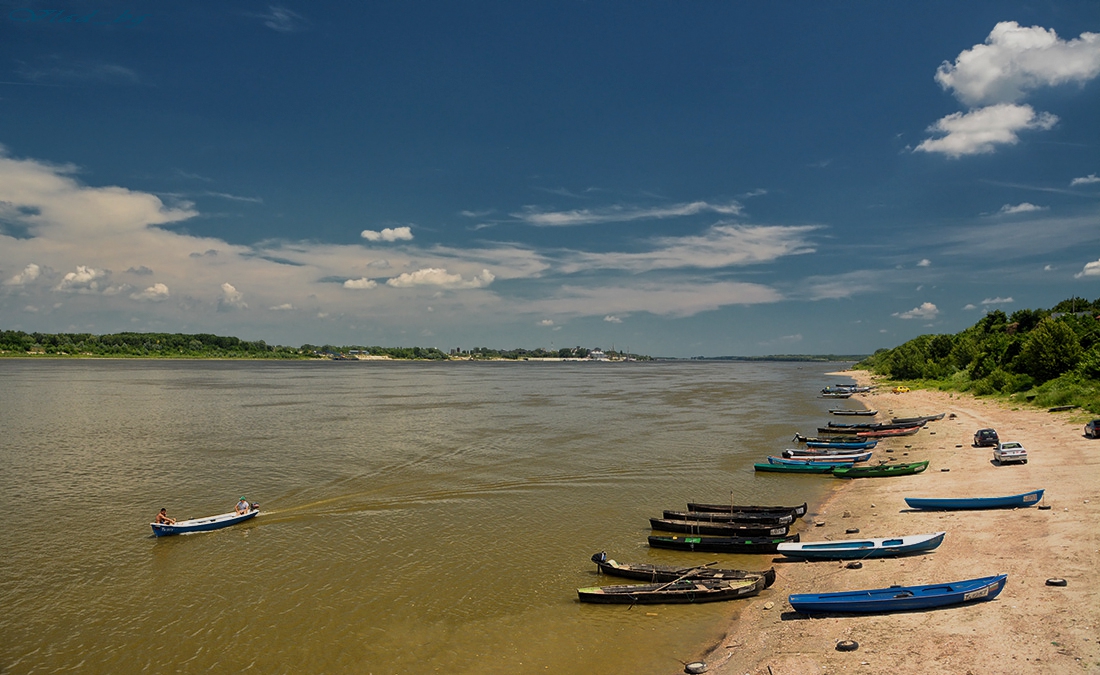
671,178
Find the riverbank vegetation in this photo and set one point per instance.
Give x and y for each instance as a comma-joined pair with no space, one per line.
1047,357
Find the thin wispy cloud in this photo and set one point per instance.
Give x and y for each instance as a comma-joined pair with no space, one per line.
620,214
1090,179
1025,207
281,19
997,301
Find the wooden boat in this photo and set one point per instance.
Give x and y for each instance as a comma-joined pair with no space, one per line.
808,453
921,419
204,524
816,467
861,413
662,573
836,394
686,591
862,426
881,470
796,511
723,529
899,598
888,433
720,544
850,441
969,503
748,518
850,549
798,458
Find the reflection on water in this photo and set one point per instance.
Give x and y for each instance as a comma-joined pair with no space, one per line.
417,517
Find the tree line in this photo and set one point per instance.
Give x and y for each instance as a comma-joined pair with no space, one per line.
1048,356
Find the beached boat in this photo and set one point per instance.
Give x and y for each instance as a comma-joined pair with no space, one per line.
796,511
881,470
662,573
920,418
849,442
799,458
829,451
686,591
861,413
204,524
971,503
852,549
816,467
889,433
748,518
899,598
864,426
720,544
723,529
836,394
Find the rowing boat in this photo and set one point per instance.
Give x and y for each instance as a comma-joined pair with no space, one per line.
881,470
816,467
686,591
796,511
850,549
747,518
723,529
971,503
661,573
720,544
899,598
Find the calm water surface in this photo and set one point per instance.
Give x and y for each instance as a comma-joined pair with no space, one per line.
416,518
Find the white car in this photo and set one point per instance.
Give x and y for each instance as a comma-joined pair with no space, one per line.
1010,451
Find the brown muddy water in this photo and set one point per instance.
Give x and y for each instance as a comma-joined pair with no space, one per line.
416,517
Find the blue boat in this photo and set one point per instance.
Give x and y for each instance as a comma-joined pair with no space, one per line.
801,456
970,503
850,549
205,524
899,598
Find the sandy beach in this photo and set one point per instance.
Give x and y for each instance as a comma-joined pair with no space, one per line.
1032,627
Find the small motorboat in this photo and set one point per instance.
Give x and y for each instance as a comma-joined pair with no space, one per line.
205,524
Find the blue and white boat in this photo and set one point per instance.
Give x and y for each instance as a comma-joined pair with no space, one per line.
851,549
971,503
205,524
802,455
899,598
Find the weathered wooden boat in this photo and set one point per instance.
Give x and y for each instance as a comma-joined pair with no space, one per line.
881,470
816,467
861,426
662,573
899,598
889,433
204,524
920,418
807,453
749,518
686,591
851,549
720,544
723,529
972,503
799,458
835,440
861,413
796,511
836,394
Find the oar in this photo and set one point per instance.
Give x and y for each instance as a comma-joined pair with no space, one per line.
687,574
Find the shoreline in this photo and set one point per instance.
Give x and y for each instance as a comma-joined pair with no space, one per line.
1030,628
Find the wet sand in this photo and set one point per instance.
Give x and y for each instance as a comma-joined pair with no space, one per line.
1031,627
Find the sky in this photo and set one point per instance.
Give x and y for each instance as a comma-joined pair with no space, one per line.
664,177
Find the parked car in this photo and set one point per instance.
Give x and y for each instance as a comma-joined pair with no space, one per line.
1010,451
901,389
986,437
1092,429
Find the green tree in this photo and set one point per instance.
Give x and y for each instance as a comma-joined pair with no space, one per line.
1050,350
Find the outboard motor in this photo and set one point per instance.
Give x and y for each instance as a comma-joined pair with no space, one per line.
255,506
599,557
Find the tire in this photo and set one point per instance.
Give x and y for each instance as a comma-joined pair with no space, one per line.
847,646
1056,582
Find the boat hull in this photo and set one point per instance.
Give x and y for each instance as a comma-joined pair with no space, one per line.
899,598
202,524
720,544
858,549
883,471
674,592
975,503
723,529
822,467
663,573
759,519
796,511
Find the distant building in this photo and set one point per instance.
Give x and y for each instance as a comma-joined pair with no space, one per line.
597,355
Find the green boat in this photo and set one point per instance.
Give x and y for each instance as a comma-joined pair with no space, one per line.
796,468
881,470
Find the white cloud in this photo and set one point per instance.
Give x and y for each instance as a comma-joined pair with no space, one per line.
433,276
620,214
997,301
968,306
1049,268
1015,60
612,319
29,274
1091,269
980,131
285,307
388,234
84,280
546,322
1085,180
926,311
361,283
925,262
1025,207
156,293
281,19
231,299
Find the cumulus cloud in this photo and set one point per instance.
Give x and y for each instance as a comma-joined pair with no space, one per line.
981,131
925,262
29,274
156,293
926,310
620,214
969,306
84,280
361,283
433,276
997,301
1091,269
230,299
1025,207
142,270
1085,180
1015,60
388,234
610,318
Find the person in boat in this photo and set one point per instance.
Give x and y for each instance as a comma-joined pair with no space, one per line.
243,507
162,518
